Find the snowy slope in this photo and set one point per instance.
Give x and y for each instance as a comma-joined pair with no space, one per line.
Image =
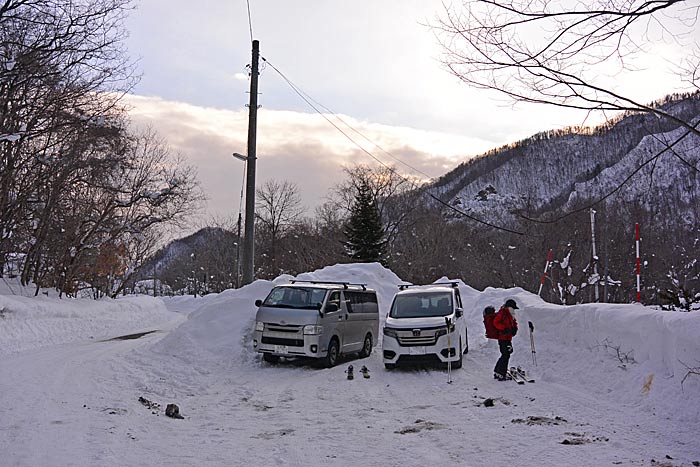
77,403
667,184
551,171
33,322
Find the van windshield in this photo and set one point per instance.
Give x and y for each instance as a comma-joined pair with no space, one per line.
421,305
306,298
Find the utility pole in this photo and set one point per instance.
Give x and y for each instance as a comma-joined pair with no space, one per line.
249,241
595,256
606,274
238,253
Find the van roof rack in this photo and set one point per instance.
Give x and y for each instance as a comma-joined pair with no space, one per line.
454,284
344,284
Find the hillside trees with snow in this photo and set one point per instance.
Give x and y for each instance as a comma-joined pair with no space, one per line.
490,45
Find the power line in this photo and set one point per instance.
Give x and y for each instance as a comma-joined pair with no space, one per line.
431,178
250,22
422,190
678,156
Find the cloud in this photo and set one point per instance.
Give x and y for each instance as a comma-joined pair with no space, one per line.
300,147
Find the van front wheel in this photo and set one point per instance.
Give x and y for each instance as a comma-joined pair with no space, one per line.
269,358
333,353
366,346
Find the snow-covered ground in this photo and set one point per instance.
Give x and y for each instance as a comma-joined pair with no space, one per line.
607,392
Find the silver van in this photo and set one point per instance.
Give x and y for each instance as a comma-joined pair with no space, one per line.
316,319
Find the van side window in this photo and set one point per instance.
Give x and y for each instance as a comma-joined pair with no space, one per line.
371,305
361,302
459,299
334,297
354,302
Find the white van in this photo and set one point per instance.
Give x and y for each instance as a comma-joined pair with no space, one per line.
416,327
316,319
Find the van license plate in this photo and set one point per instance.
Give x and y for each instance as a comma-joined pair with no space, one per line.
416,350
280,349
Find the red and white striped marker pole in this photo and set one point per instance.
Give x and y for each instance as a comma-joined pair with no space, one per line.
544,274
639,265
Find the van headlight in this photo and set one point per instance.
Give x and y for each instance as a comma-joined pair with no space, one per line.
391,332
259,326
443,331
312,330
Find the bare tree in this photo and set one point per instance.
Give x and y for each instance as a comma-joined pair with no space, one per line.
558,52
62,72
278,209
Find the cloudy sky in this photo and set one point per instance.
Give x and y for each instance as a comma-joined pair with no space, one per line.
375,63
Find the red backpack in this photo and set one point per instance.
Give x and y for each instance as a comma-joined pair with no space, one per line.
489,315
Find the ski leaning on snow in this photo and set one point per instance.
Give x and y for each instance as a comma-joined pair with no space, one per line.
515,376
524,375
519,375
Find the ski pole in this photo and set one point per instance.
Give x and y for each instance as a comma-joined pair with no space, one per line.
449,350
532,342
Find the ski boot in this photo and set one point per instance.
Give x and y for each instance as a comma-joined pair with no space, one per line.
365,372
350,372
500,377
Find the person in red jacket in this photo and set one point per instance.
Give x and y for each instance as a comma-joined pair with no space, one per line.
507,327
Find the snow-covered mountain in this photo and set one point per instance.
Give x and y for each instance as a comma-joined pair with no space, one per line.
557,171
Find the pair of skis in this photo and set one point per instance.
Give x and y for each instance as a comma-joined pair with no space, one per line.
364,370
519,375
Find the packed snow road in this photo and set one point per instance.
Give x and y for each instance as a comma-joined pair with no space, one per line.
78,403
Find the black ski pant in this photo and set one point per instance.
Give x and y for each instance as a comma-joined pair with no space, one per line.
506,348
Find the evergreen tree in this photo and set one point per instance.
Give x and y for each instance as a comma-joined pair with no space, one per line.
365,235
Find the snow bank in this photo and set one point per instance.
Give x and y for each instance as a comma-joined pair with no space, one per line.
222,324
630,353
33,322
626,353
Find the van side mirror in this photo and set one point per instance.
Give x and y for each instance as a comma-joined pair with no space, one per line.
459,312
258,302
331,307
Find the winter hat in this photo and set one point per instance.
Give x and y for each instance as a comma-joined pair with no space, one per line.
510,303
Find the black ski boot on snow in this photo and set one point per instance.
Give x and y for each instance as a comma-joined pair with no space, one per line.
365,371
350,373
